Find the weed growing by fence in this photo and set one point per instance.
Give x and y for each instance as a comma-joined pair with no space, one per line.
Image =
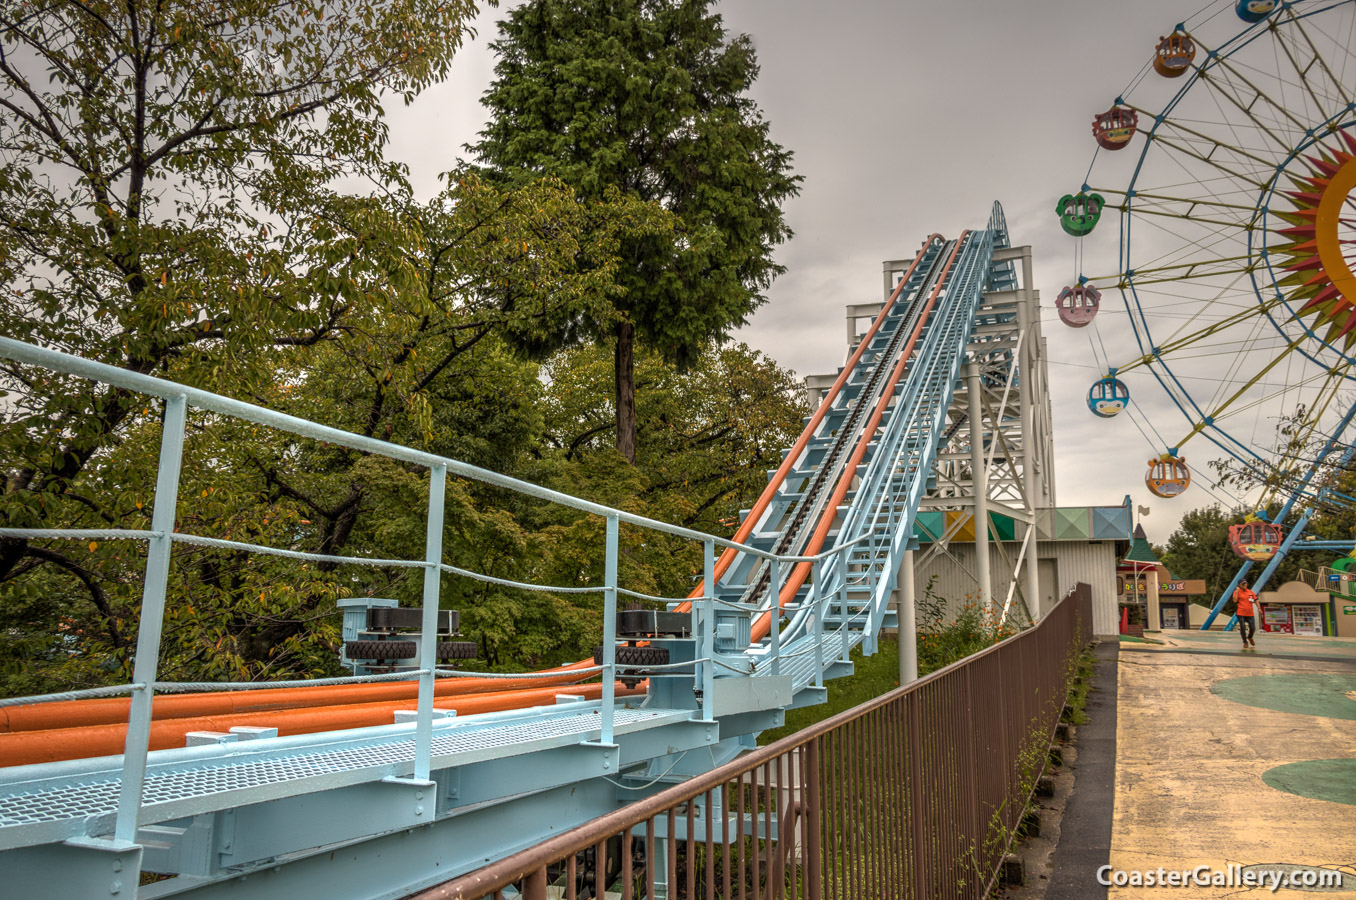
943,639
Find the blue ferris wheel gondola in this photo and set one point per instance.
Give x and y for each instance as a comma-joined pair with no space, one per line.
1107,397
1254,10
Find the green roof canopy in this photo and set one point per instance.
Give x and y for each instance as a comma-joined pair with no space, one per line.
1140,550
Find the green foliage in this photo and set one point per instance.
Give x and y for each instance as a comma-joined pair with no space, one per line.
871,676
707,435
944,638
163,177
183,216
1199,548
419,361
649,97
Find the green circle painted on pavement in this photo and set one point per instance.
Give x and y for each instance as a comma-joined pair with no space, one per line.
1309,694
1319,779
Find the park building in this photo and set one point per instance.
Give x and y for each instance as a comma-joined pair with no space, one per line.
1317,603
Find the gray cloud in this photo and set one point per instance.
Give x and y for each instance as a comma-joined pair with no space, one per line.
908,118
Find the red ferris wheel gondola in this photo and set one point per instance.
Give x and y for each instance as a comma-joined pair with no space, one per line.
1257,541
1114,128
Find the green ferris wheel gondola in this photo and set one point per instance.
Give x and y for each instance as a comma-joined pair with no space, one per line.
1078,213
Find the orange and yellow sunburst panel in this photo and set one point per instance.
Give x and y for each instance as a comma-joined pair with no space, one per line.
1320,240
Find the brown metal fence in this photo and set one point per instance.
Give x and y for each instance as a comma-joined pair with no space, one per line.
914,794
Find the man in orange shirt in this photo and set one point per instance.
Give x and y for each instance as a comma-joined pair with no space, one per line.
1247,608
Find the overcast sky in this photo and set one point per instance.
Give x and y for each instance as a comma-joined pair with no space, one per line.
907,118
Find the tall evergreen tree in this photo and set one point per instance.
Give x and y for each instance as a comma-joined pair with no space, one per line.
649,96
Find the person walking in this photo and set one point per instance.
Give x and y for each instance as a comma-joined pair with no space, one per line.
1247,609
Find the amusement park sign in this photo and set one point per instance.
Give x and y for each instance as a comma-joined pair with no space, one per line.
1192,586
1189,587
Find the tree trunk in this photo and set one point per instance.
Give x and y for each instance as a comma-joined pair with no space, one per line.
626,390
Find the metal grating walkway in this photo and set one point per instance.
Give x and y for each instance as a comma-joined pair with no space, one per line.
240,774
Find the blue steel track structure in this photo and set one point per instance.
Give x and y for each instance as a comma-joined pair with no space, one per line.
385,811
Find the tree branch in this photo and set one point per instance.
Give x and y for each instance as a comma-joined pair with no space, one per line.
87,578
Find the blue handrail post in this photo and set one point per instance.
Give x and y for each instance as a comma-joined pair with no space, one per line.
843,609
428,640
821,605
708,633
144,667
609,699
775,612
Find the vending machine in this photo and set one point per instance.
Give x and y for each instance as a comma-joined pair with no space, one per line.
1306,619
1276,617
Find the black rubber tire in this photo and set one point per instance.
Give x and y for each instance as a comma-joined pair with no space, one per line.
635,656
381,649
457,649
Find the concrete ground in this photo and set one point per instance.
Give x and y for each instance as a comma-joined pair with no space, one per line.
1230,756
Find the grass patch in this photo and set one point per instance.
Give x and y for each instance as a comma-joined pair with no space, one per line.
875,675
871,677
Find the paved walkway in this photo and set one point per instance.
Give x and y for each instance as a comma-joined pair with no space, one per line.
1226,756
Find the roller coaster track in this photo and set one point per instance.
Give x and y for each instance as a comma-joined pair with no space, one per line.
338,806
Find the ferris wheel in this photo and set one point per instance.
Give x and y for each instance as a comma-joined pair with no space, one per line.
1231,162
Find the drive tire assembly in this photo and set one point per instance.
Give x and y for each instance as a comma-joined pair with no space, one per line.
634,658
381,649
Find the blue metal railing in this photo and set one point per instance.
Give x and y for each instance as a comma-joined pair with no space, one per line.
179,399
881,517
861,562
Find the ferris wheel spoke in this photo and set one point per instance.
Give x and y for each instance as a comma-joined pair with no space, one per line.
1202,245
1228,66
1177,343
1216,144
1336,82
1302,72
1214,84
1255,342
1222,407
1327,393
1190,201
1245,226
1190,274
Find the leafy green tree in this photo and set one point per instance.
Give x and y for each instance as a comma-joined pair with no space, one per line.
1300,443
421,360
708,434
162,172
1199,548
649,97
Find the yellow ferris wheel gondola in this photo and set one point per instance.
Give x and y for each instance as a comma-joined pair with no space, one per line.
1168,476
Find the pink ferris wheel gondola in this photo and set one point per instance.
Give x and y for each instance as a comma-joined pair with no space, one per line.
1078,305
